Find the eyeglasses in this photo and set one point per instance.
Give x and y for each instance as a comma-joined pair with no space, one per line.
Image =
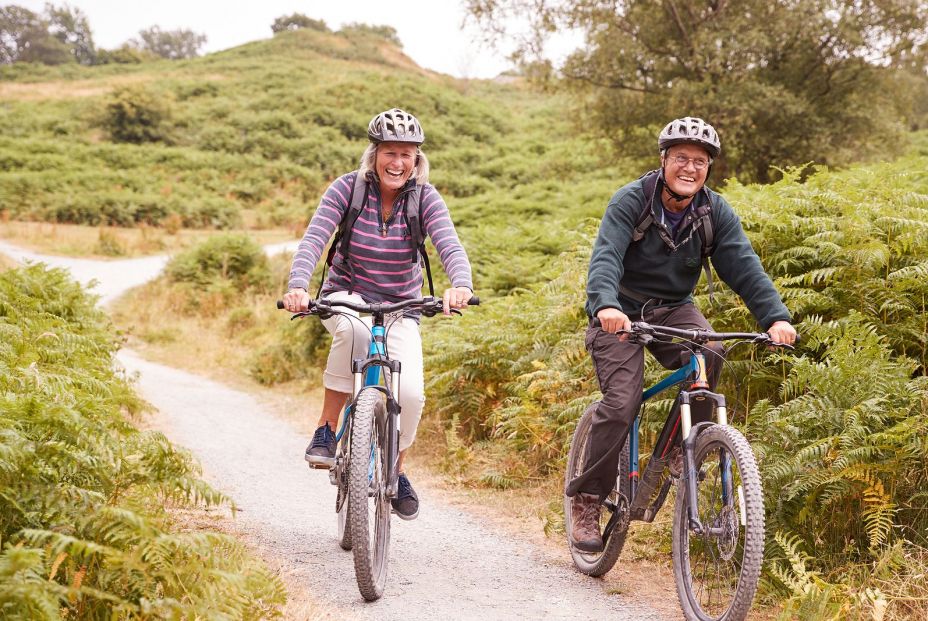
698,162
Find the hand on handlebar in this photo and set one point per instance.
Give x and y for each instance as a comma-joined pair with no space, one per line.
782,333
612,320
296,300
454,298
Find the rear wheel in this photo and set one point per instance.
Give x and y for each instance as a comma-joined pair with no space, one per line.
341,508
597,563
368,503
717,570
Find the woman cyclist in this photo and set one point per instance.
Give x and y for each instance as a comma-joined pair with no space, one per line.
382,266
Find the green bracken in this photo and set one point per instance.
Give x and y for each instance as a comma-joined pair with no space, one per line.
83,526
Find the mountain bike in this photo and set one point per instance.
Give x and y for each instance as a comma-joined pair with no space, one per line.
365,470
718,520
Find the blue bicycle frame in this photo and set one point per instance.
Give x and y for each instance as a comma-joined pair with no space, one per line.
642,488
371,376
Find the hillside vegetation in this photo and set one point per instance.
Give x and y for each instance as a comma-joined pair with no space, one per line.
253,135
83,525
256,133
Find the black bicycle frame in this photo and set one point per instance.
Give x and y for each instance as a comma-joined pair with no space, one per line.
679,423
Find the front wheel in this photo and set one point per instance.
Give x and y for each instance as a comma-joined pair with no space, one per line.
596,563
368,503
717,569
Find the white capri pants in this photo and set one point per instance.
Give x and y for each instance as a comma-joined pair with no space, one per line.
350,340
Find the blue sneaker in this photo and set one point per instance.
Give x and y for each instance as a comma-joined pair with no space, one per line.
406,503
321,451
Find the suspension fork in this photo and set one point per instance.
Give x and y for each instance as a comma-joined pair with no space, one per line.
689,441
371,372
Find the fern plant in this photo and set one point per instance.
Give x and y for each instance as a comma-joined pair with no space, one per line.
84,532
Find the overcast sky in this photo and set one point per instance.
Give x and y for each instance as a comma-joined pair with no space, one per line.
431,31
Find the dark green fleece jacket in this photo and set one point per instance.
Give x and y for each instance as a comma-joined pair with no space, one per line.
650,268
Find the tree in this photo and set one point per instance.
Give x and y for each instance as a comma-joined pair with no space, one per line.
297,21
784,82
171,44
70,27
22,32
59,36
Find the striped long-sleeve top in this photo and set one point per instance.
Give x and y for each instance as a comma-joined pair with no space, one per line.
386,267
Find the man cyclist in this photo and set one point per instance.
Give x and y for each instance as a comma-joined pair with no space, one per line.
645,264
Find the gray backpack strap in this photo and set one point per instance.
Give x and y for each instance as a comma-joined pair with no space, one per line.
417,231
707,236
646,217
357,201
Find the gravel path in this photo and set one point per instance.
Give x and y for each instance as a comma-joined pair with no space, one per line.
447,564
444,565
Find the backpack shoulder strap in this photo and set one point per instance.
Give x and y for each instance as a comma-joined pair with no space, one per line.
417,232
707,237
704,222
357,199
356,203
646,217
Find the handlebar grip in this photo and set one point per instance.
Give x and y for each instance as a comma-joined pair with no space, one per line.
280,304
473,301
596,323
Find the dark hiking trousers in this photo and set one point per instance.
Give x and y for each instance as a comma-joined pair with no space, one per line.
620,370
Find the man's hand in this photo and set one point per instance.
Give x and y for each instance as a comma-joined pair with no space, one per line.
613,320
296,300
455,297
782,332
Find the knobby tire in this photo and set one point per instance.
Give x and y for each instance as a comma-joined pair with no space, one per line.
368,504
341,498
596,563
717,574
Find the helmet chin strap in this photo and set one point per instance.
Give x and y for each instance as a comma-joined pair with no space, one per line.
674,195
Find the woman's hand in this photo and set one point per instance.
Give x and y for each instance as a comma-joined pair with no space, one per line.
455,297
296,300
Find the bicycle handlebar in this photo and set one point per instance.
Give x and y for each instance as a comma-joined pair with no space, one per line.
642,328
429,306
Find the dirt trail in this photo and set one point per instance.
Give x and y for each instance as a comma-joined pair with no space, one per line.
447,564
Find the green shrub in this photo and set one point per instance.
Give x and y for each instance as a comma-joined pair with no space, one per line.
83,525
137,115
230,257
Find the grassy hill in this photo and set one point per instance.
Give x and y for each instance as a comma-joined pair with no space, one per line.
252,136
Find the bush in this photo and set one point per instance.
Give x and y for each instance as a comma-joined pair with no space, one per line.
83,527
136,115
297,21
233,258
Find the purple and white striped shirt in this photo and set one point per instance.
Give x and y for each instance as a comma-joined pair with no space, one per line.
386,268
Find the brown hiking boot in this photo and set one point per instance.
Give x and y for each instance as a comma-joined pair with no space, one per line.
584,521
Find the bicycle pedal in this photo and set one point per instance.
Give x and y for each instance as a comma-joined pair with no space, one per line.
320,463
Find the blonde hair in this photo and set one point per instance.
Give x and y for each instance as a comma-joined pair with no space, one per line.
369,160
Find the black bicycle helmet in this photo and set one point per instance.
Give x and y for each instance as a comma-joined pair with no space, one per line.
395,126
690,130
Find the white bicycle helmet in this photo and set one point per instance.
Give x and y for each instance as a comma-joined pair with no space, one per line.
690,130
395,126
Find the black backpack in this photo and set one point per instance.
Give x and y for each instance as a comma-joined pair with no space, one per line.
702,225
357,201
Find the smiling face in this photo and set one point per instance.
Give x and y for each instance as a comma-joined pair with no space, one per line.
396,161
685,179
